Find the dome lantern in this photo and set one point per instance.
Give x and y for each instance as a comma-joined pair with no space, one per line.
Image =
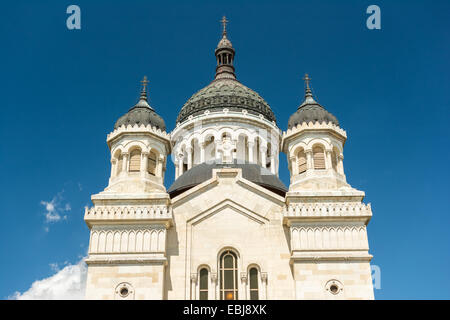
224,55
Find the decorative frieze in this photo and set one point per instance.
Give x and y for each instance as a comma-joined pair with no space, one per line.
330,237
128,239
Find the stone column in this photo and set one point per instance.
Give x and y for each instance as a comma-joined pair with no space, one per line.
159,166
193,286
272,164
180,164
234,153
263,152
113,167
264,286
202,152
244,286
250,145
340,166
189,157
144,163
328,162
294,167
309,160
212,294
125,162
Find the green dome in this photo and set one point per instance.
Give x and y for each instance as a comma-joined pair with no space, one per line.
225,93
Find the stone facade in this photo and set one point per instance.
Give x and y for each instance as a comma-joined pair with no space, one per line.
227,236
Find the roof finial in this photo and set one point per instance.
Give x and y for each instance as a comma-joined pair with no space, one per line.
307,79
224,24
144,88
308,93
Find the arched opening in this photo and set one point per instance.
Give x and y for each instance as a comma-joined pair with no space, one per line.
269,155
301,161
152,156
203,284
319,158
253,277
228,276
135,160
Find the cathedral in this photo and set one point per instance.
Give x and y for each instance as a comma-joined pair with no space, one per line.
227,228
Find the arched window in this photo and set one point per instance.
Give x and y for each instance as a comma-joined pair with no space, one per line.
204,284
135,161
152,162
301,161
228,276
253,276
319,158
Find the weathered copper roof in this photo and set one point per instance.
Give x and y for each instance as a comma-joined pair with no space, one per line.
226,93
142,113
310,110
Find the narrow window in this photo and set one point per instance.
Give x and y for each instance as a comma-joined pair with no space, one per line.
152,163
301,161
135,161
319,158
228,276
253,275
204,284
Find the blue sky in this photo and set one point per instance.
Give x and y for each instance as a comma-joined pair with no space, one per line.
62,90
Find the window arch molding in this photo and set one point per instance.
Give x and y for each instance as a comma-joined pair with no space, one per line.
205,288
228,263
254,289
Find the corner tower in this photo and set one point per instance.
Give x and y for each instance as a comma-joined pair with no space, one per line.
325,216
129,219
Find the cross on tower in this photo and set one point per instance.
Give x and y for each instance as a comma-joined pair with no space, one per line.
144,84
307,80
224,24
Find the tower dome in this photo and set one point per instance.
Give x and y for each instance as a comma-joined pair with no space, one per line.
310,110
225,91
142,113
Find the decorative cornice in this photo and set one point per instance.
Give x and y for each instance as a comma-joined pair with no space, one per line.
289,133
326,211
137,129
157,213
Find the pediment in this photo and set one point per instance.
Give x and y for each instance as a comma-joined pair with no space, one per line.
222,207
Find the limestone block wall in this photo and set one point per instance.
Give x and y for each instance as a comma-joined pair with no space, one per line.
143,281
315,280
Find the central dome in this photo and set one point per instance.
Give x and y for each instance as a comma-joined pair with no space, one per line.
225,91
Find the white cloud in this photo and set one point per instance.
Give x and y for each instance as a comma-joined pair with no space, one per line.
55,210
68,283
